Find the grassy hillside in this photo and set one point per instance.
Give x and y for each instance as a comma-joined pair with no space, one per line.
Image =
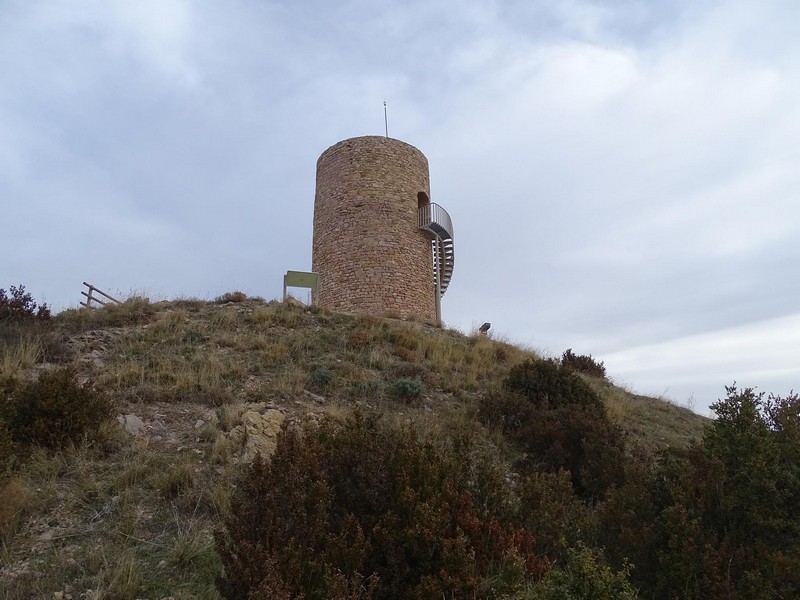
131,514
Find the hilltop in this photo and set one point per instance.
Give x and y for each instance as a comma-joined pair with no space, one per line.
197,388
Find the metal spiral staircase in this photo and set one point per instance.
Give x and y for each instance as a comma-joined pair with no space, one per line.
435,221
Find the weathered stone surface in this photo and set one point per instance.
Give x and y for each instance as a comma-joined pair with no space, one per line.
261,433
315,397
368,248
291,300
132,424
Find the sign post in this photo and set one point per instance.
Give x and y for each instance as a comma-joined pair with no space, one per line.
300,279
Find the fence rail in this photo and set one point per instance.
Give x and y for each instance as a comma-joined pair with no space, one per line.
91,298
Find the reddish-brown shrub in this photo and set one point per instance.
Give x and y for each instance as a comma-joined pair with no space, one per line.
368,506
20,306
236,296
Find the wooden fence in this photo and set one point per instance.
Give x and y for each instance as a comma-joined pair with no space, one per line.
90,297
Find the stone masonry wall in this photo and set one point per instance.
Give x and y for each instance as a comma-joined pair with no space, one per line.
368,249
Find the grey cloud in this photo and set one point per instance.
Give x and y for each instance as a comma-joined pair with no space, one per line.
620,175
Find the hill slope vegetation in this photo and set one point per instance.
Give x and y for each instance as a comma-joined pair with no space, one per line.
399,461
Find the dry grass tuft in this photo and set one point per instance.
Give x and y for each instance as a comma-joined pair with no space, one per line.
651,422
16,502
232,297
135,310
19,356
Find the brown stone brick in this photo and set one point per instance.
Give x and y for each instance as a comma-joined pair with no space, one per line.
367,248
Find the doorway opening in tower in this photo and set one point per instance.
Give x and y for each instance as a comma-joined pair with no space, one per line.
423,200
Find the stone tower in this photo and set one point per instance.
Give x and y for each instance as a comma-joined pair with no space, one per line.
380,246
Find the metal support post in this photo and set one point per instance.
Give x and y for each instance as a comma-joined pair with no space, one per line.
439,264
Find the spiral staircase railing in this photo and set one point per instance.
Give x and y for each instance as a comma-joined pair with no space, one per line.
436,222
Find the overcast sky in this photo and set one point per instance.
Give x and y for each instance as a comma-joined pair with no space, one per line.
622,174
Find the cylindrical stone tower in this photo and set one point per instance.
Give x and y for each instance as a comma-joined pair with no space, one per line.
370,253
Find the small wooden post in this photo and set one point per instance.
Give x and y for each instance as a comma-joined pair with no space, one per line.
90,298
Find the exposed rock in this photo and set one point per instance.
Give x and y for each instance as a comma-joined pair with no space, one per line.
46,536
260,433
132,424
66,594
292,301
315,397
96,357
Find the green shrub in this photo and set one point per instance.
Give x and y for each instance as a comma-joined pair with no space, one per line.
628,520
55,410
719,519
583,364
548,385
361,510
560,423
583,577
20,306
407,389
194,336
321,377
